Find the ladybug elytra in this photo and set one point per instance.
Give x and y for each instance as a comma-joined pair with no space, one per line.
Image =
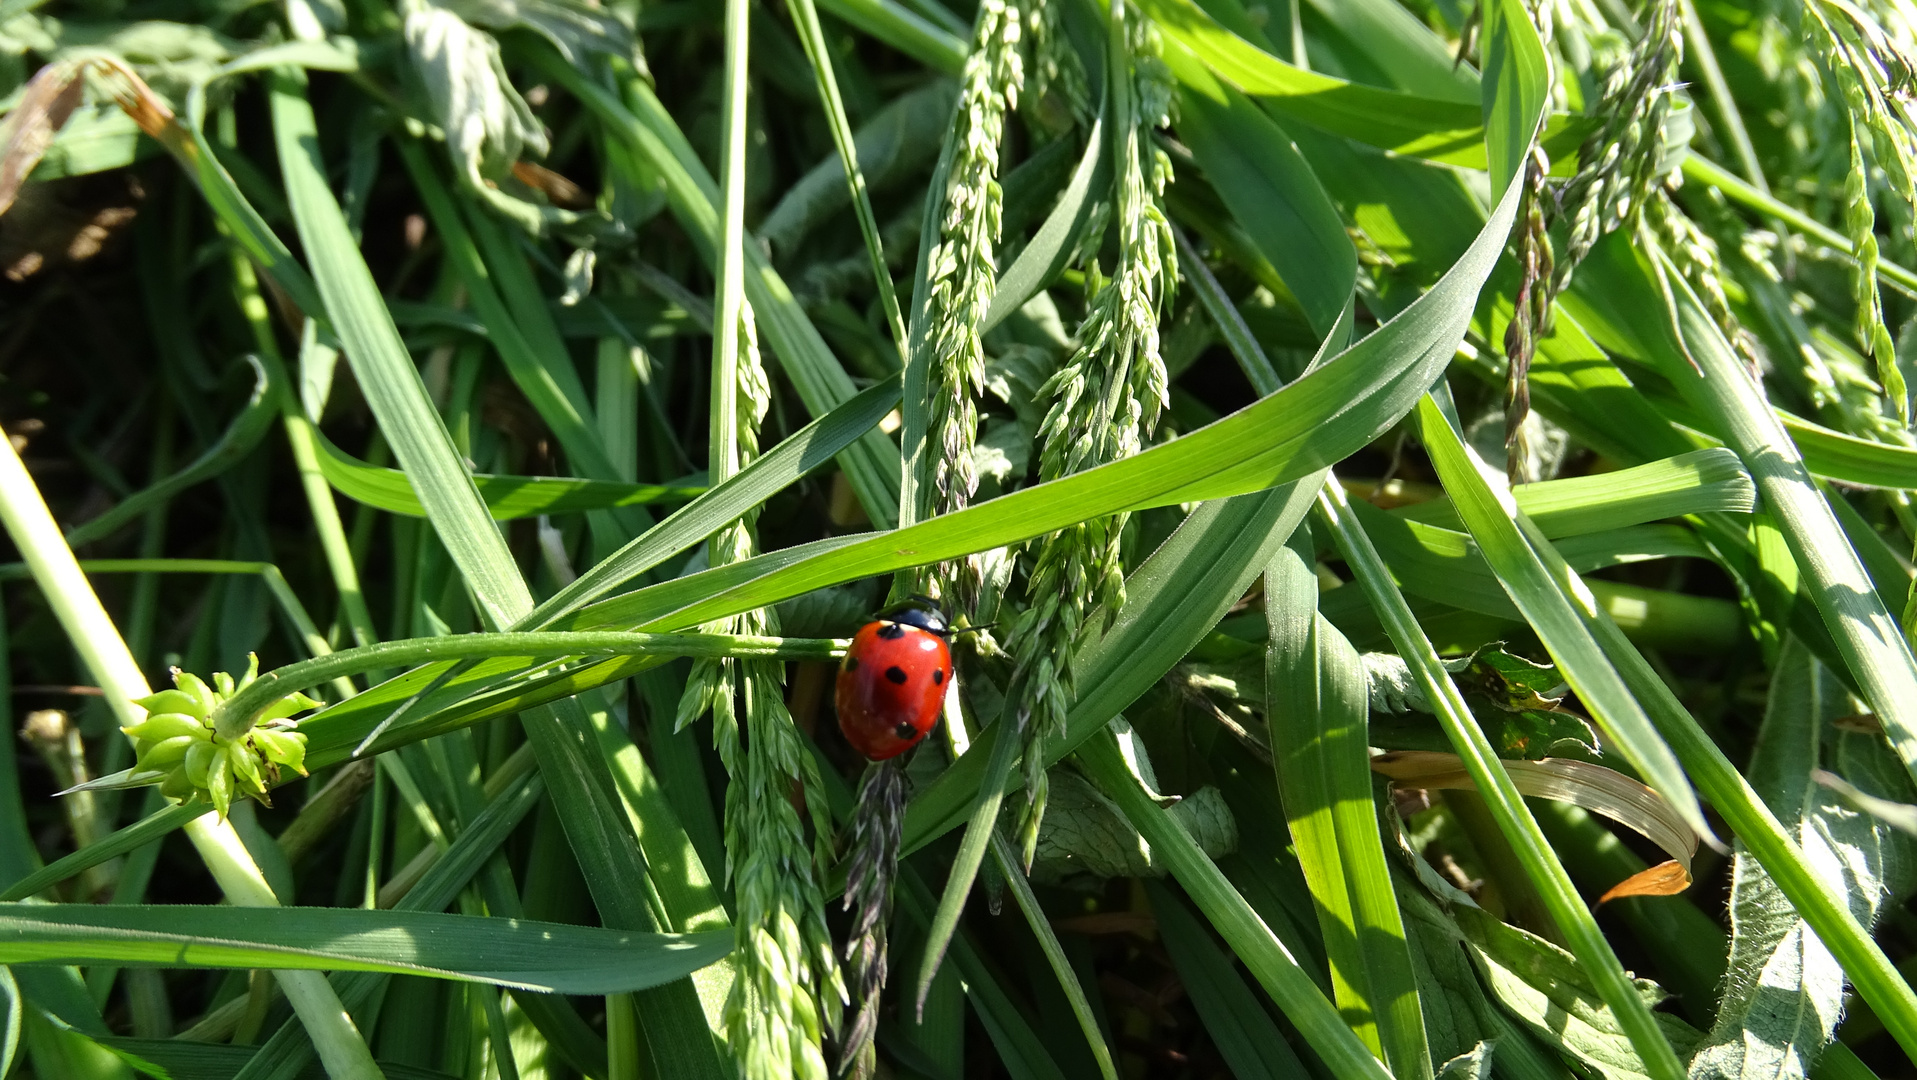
893,680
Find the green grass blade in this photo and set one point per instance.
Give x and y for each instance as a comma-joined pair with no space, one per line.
1040,261
1866,634
121,841
1021,890
1269,189
1316,691
549,957
507,498
385,369
1245,1034
1501,796
871,463
1492,517
804,451
1754,824
1316,1019
917,37
805,17
239,439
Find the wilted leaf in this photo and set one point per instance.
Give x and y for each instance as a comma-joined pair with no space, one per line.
1667,878
1594,787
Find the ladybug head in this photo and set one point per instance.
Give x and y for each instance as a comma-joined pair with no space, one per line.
920,611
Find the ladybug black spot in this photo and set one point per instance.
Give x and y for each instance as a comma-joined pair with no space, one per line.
891,631
938,676
851,663
906,731
895,674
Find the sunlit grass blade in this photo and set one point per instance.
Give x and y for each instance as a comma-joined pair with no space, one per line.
1492,517
1316,1019
530,955
1316,706
1494,784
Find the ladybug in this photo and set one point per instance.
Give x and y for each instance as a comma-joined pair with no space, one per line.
893,680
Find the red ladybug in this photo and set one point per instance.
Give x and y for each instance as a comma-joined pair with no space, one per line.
893,680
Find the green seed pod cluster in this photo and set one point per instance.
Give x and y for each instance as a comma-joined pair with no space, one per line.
1618,166
1105,403
1869,74
177,740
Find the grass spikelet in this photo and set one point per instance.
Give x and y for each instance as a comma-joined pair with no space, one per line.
1617,165
876,830
961,269
789,993
1106,400
1867,71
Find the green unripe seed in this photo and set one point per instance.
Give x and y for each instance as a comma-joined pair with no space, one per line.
199,759
160,727
167,753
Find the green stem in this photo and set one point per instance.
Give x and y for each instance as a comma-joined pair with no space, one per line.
98,641
1711,174
730,299
805,16
236,716
1733,121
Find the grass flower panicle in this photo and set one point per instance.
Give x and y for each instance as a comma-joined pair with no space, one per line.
1105,403
961,270
789,993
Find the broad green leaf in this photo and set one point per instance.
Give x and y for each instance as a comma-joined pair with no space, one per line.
1246,1037
1091,842
1458,1015
550,957
1317,697
1785,991
1549,992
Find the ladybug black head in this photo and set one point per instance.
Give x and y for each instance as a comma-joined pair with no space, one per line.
920,611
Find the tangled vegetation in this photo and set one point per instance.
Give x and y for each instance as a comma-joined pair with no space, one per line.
1422,494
